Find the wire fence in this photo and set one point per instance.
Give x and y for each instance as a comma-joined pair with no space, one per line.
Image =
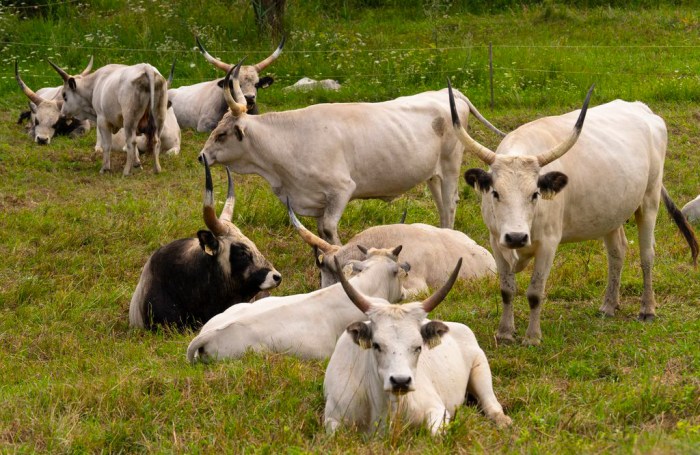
685,72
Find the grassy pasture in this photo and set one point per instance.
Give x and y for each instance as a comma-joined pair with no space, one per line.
74,378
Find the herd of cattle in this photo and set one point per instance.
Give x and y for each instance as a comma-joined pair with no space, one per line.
549,182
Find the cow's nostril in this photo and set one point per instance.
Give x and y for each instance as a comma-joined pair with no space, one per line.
516,239
400,381
200,159
277,277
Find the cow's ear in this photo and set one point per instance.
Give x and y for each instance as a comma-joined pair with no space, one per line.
478,179
71,83
238,131
264,82
363,249
361,334
208,242
551,183
220,83
432,332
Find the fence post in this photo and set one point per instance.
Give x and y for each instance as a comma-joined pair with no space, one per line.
491,72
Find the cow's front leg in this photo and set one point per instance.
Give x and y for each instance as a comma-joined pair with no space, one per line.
535,293
481,386
328,222
437,420
506,277
104,145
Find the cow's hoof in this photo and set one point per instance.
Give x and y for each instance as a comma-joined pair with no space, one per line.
646,317
502,421
137,164
606,312
505,338
173,152
104,171
531,341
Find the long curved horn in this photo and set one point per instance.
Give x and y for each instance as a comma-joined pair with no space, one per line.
169,82
307,235
431,302
483,153
214,61
210,219
227,212
358,299
262,65
558,151
33,97
88,68
60,71
236,108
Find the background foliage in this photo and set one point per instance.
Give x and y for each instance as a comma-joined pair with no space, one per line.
72,242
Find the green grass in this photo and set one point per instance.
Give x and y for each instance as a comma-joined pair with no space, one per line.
74,378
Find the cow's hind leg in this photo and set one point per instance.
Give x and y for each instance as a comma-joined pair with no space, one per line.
646,220
616,246
131,150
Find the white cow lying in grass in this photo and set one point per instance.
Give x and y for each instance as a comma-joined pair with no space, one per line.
691,210
378,366
307,325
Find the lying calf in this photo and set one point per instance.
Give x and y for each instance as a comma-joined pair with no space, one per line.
378,366
430,250
691,210
306,325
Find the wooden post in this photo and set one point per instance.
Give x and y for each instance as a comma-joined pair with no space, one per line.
491,71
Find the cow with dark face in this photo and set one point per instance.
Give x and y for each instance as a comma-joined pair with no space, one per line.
186,282
44,114
201,106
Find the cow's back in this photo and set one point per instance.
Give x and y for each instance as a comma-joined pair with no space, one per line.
385,148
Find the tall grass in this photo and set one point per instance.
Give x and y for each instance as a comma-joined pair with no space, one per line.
74,378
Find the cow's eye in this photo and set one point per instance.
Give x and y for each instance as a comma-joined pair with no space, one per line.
220,137
418,349
496,196
65,98
376,347
535,195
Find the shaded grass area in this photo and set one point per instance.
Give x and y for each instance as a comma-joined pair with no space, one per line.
72,243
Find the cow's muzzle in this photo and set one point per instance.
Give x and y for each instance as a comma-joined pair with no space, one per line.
42,140
401,385
515,240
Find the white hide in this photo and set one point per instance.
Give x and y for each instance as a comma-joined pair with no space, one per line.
117,96
691,210
322,156
356,392
306,325
614,171
431,251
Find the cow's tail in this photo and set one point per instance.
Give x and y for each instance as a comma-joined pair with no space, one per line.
151,123
477,114
682,224
137,307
